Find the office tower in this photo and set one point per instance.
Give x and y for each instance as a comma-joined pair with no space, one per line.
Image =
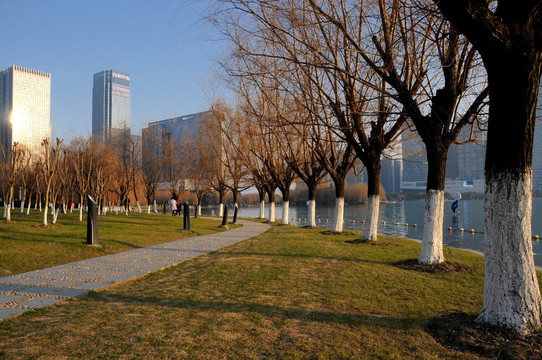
110,105
178,131
25,108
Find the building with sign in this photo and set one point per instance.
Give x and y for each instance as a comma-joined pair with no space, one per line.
25,108
110,105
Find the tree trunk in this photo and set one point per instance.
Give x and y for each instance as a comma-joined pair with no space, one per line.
271,196
311,216
511,294
285,206
432,249
339,215
373,201
221,209
28,208
262,204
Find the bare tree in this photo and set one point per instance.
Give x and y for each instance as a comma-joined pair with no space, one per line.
397,43
49,168
12,160
151,169
82,156
508,36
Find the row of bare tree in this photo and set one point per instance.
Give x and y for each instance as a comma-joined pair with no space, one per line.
321,82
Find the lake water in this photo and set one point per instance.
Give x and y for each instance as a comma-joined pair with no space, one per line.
469,215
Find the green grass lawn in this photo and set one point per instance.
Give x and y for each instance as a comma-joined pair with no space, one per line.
289,293
26,245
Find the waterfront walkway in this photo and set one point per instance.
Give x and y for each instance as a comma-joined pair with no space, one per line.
23,292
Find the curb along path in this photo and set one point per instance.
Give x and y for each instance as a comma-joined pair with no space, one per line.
23,292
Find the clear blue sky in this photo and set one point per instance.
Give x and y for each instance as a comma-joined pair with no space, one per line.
162,44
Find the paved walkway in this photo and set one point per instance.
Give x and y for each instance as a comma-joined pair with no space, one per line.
40,288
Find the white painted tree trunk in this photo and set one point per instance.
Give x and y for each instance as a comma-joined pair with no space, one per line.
432,247
22,207
285,213
28,208
138,207
5,211
339,215
46,208
80,213
511,291
199,209
371,227
55,215
312,213
8,213
221,210
272,211
148,208
262,209
155,207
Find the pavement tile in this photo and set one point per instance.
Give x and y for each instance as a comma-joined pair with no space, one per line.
10,279
32,281
4,299
69,292
37,290
8,312
39,302
91,286
63,283
7,288
86,277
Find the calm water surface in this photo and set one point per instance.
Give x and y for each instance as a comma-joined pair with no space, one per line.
468,216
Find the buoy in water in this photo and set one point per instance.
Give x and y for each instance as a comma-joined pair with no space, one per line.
406,224
353,221
449,228
536,237
415,225
383,223
461,229
363,221
326,220
472,231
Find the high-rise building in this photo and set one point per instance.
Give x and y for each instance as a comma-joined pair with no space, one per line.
110,104
176,131
25,108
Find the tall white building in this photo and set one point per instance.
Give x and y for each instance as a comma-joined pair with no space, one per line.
25,108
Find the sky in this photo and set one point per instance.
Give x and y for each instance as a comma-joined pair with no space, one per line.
162,44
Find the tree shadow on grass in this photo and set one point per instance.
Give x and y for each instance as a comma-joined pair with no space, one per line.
460,331
265,310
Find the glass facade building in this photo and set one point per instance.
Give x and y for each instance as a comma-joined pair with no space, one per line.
110,104
25,108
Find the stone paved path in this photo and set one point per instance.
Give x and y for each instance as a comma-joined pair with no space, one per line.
40,288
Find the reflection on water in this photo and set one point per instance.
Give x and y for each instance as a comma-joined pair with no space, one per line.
469,215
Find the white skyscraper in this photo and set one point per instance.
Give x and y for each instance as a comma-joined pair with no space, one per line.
25,108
